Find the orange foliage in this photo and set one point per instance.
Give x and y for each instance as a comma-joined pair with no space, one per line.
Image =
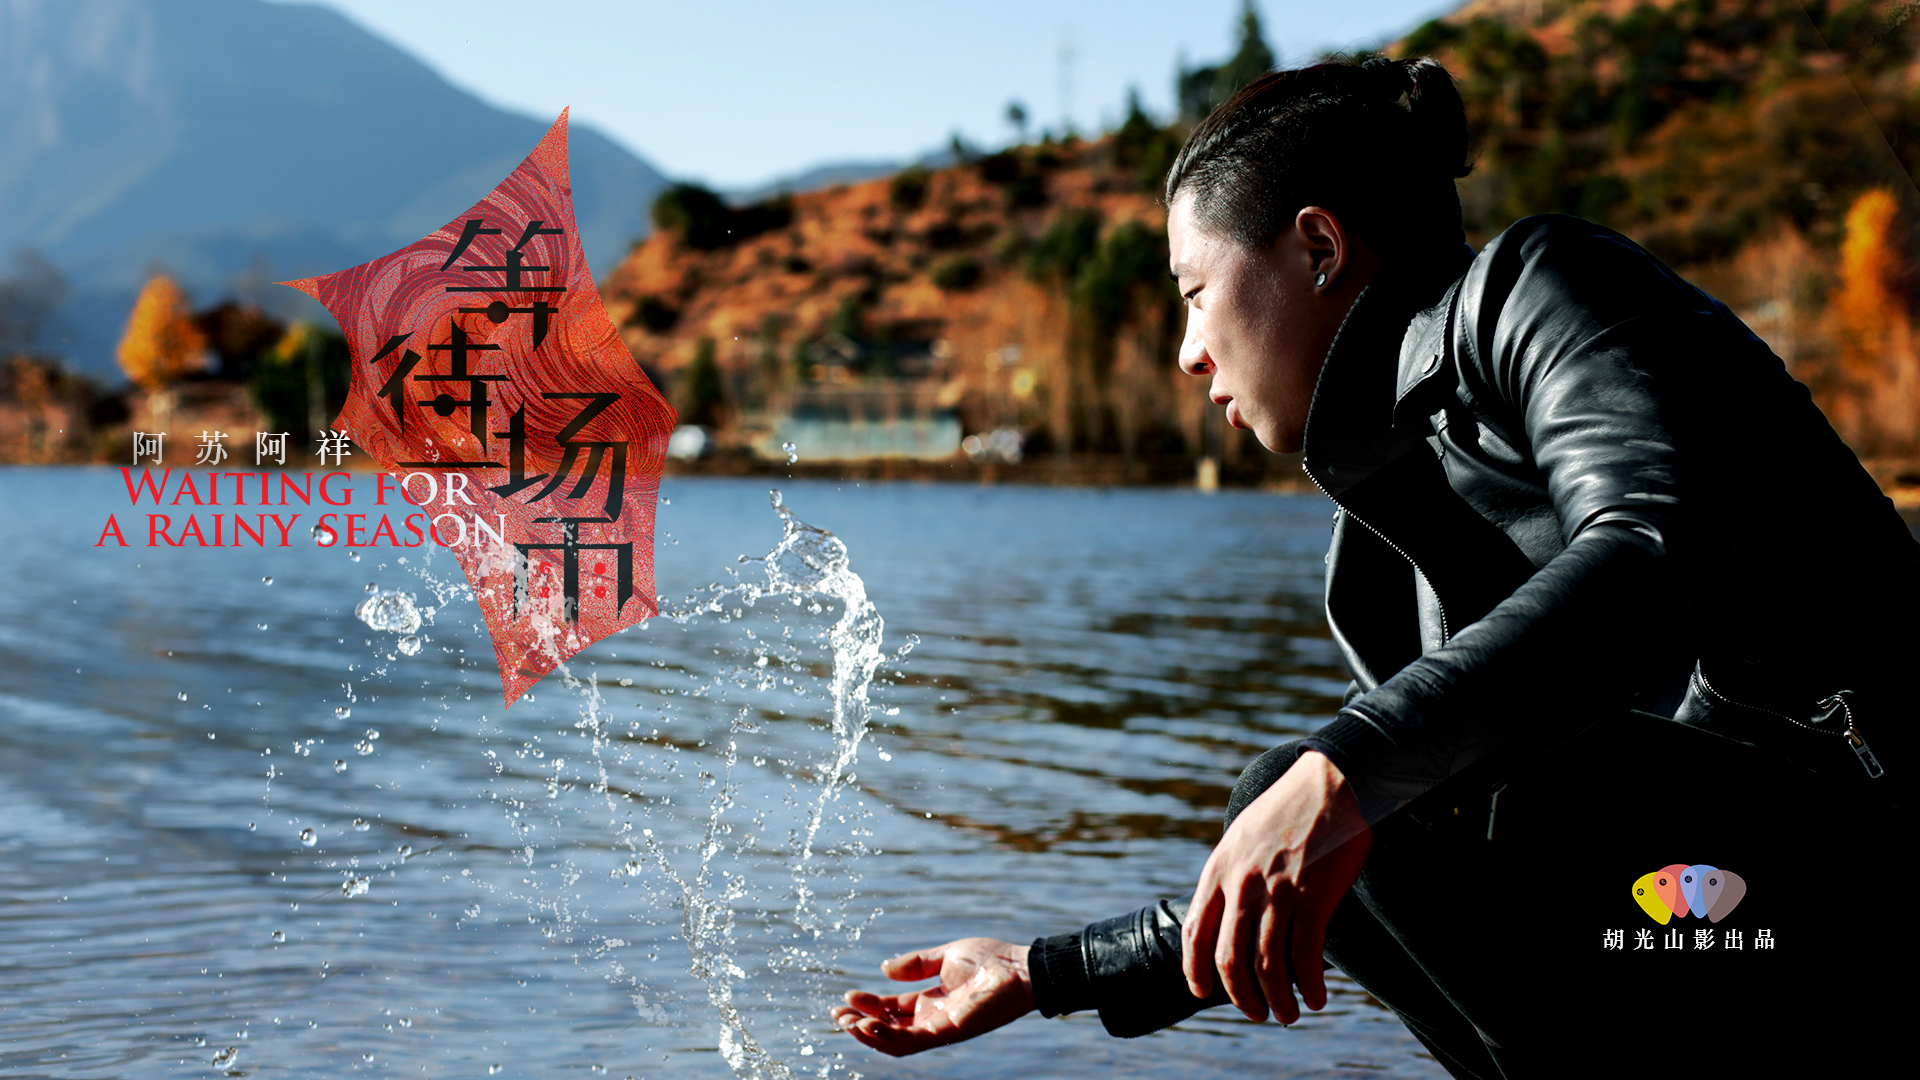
161,342
1875,330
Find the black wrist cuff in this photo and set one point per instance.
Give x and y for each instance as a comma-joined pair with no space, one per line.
1057,969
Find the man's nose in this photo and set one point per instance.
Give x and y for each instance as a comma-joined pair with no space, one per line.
1193,351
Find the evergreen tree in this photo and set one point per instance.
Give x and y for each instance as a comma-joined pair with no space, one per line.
1204,89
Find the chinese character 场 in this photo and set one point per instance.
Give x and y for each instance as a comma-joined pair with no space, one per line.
148,445
1703,938
270,444
1735,940
1763,939
334,444
1673,939
1643,939
212,449
1616,939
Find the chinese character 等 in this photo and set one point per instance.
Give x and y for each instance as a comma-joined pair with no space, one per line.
147,444
334,444
270,444
1674,939
1763,939
1703,938
1616,939
213,448
1734,940
1643,939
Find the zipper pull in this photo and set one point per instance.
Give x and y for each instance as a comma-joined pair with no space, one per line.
1865,753
1860,748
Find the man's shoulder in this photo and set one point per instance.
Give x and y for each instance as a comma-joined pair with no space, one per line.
1568,270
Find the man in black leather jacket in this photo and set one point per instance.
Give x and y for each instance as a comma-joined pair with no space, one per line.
1613,594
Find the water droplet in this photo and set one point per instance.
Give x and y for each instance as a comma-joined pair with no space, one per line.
372,734
807,1050
364,748
339,766
323,536
355,886
360,824
210,735
307,838
371,587
406,850
492,1069
626,682
366,1057
408,645
182,695
354,556
268,580
472,911
792,452
260,626
226,1057
392,611
341,712
279,935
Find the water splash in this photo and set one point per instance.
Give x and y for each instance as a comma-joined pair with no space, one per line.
713,864
391,611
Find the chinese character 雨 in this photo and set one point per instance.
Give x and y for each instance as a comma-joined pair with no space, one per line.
1615,939
334,444
1734,940
1703,938
1674,939
270,444
148,445
213,448
1643,939
1763,939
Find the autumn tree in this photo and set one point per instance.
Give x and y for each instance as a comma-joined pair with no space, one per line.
161,342
1875,329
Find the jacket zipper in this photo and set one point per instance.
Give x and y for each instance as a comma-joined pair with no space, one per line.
1446,633
1859,745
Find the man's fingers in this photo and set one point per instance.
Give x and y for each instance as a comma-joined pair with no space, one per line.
1270,963
1235,946
878,1005
914,966
1197,935
1309,939
879,1035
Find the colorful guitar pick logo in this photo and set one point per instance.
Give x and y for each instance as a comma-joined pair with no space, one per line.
1702,891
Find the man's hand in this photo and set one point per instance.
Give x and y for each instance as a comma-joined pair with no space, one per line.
1260,911
983,985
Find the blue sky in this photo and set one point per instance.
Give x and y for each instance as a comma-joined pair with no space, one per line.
739,93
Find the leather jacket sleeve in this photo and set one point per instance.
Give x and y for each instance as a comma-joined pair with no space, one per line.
1569,338
1129,967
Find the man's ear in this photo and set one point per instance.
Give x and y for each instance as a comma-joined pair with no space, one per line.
1325,242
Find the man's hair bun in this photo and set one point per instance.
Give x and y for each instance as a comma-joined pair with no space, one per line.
1380,142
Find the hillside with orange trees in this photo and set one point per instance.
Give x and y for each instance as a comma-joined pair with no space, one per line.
1026,290
1744,141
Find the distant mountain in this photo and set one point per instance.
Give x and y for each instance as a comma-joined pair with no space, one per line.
231,140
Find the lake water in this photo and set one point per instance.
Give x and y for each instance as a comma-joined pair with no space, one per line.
214,865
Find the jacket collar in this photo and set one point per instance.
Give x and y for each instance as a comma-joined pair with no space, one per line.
1374,364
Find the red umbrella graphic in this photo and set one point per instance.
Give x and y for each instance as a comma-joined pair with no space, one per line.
489,381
